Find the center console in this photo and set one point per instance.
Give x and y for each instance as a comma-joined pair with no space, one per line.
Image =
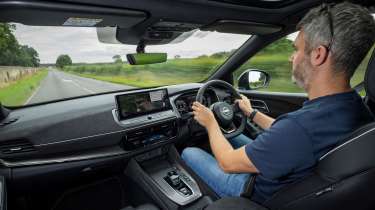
176,184
150,129
149,135
161,175
147,117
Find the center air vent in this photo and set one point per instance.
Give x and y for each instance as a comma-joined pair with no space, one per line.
16,146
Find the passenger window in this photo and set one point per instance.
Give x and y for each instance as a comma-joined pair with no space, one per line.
274,59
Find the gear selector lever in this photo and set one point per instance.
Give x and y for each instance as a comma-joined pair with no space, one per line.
174,180
176,184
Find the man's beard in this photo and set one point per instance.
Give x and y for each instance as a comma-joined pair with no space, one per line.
301,74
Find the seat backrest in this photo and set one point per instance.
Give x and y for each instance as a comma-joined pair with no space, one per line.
344,178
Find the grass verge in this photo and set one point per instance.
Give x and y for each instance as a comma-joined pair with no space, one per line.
17,93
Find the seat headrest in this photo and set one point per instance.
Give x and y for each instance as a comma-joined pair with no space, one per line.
370,78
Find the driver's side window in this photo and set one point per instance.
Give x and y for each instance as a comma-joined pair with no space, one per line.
274,59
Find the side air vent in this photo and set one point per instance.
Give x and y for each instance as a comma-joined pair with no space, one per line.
16,146
8,122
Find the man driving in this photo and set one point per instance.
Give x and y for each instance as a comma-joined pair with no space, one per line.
332,42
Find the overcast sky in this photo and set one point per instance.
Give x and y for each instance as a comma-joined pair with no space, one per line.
82,44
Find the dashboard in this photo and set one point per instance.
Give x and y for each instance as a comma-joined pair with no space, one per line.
71,137
100,126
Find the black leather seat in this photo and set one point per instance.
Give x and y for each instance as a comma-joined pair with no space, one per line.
344,178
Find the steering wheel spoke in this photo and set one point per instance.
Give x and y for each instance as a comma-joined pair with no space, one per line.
236,108
232,128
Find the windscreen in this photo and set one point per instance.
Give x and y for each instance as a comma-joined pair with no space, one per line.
45,63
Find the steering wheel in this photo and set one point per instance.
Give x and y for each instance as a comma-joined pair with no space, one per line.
224,112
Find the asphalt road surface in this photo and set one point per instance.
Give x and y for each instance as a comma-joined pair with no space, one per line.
59,85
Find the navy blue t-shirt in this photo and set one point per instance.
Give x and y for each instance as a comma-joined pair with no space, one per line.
291,147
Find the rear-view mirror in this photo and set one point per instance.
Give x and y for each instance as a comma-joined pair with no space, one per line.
146,58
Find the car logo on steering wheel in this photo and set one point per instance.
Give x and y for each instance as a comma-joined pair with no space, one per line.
225,111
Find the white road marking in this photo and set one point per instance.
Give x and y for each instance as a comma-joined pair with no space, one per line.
76,84
37,89
67,80
28,100
90,91
86,89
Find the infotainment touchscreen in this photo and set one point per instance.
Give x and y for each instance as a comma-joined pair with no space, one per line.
140,103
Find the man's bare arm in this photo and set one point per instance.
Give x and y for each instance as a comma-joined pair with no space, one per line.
263,120
230,160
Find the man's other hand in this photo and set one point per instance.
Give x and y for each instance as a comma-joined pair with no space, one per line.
245,105
203,115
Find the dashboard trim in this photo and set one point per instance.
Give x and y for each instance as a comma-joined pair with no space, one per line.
149,119
12,164
108,133
80,138
103,153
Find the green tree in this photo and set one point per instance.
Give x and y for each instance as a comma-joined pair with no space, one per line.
28,56
63,60
220,55
281,46
8,44
202,56
117,59
11,52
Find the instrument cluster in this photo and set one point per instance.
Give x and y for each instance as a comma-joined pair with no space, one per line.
184,102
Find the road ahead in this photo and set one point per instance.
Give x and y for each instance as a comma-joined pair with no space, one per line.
58,85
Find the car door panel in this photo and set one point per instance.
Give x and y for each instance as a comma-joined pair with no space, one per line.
275,104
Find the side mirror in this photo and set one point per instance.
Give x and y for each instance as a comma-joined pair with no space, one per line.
252,79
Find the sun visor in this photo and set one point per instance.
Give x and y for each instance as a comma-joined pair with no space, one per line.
63,14
163,32
242,27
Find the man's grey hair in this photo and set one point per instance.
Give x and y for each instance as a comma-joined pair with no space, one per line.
353,34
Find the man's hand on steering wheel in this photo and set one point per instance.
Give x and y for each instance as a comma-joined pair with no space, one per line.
245,105
203,115
221,112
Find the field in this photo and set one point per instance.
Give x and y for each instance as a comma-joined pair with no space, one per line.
174,71
19,92
178,71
